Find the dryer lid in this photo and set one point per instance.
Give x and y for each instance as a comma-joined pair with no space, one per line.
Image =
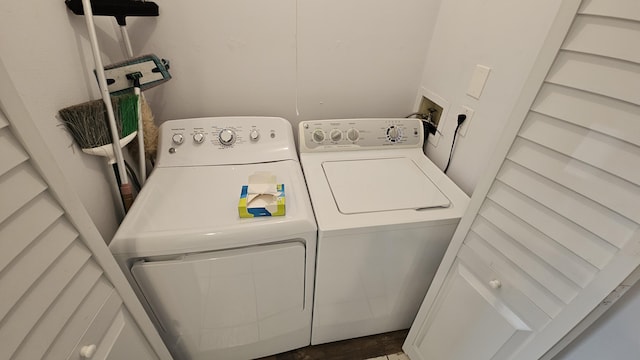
195,209
372,185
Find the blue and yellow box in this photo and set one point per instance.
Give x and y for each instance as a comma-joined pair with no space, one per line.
260,201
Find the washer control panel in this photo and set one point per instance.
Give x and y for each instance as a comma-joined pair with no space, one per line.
224,140
359,134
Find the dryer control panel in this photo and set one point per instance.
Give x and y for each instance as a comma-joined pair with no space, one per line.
224,141
360,134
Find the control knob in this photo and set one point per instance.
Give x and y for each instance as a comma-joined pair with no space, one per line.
353,134
393,133
198,138
227,137
336,135
254,135
318,136
177,139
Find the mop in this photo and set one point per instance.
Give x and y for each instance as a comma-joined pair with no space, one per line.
136,75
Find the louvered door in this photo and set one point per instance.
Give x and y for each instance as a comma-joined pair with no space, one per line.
54,297
558,227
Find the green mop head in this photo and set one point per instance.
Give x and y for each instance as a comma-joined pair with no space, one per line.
88,123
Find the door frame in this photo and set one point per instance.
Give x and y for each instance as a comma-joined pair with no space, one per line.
24,128
558,31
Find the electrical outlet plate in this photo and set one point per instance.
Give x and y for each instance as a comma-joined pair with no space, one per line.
441,103
465,125
478,81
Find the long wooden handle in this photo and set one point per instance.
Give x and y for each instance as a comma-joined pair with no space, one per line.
127,196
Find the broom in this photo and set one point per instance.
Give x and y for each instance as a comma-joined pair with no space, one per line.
88,124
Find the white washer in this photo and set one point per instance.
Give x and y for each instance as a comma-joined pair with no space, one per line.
385,217
216,285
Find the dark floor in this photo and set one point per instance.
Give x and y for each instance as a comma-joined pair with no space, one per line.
352,349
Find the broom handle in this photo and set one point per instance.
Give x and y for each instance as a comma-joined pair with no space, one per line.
142,159
127,41
125,187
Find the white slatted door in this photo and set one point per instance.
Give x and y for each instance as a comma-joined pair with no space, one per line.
559,224
54,298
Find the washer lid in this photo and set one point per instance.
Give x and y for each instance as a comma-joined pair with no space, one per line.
363,186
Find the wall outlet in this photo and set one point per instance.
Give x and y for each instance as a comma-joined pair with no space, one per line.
465,125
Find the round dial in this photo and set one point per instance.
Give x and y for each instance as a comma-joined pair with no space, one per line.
227,136
393,133
177,139
198,138
318,135
254,135
353,134
335,135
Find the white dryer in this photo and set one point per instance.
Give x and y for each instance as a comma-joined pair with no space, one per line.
216,285
385,217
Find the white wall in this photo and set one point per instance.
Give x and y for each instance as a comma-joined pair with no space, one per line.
616,335
361,58
328,59
44,49
248,57
503,35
